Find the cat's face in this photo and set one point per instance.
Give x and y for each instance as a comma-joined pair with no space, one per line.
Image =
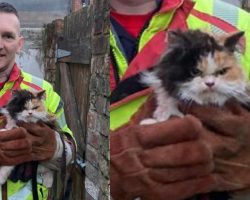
204,71
33,111
27,106
217,78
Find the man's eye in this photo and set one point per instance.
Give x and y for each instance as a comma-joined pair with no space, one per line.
8,36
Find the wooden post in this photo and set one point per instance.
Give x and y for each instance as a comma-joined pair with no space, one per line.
246,5
76,5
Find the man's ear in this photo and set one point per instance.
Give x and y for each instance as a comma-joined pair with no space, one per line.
20,44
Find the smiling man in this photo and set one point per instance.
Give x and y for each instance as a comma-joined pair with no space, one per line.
31,142
10,44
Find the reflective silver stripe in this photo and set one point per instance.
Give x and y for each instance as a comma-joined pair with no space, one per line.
230,16
118,43
37,81
23,193
60,106
61,120
216,30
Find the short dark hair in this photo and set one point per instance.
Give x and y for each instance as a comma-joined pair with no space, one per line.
8,8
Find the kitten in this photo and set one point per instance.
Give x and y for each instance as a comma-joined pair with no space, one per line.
197,67
24,106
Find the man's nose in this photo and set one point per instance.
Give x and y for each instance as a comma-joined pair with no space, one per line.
1,43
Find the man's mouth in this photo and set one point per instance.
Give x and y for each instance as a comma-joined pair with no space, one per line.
2,55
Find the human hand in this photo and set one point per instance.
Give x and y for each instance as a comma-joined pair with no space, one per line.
15,147
43,140
159,161
230,140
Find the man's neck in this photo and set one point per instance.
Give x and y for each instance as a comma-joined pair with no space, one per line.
5,73
133,7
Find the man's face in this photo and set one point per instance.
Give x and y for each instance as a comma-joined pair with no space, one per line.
10,40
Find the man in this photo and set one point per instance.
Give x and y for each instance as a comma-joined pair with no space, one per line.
174,159
31,142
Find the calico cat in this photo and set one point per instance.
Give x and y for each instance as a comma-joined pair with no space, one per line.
198,67
24,106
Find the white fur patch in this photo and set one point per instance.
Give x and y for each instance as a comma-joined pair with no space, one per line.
166,105
212,66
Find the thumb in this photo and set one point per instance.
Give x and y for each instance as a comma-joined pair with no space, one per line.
237,108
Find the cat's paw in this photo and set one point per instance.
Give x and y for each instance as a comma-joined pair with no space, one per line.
3,177
148,121
177,113
161,116
5,171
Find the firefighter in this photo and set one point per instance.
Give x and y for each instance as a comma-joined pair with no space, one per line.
30,142
169,160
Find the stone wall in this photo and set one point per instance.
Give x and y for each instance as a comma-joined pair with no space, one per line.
97,152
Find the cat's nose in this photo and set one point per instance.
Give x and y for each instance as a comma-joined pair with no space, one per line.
209,84
30,113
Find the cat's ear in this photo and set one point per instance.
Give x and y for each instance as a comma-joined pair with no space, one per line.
41,95
178,38
232,40
174,35
15,93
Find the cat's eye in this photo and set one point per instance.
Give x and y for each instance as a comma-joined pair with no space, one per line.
196,72
35,107
222,71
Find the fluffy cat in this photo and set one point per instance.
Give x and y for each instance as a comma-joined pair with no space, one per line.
197,67
24,106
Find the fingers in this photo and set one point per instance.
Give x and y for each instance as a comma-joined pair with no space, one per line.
185,189
169,132
17,133
204,112
18,160
16,145
226,121
168,175
36,129
122,159
236,108
228,125
16,153
186,153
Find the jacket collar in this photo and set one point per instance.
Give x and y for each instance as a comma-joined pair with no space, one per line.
15,73
170,5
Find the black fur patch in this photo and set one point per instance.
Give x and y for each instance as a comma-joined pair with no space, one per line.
18,101
180,62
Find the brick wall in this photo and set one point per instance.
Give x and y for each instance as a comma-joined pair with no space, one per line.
97,152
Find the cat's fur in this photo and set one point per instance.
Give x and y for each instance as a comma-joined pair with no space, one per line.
198,67
24,106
